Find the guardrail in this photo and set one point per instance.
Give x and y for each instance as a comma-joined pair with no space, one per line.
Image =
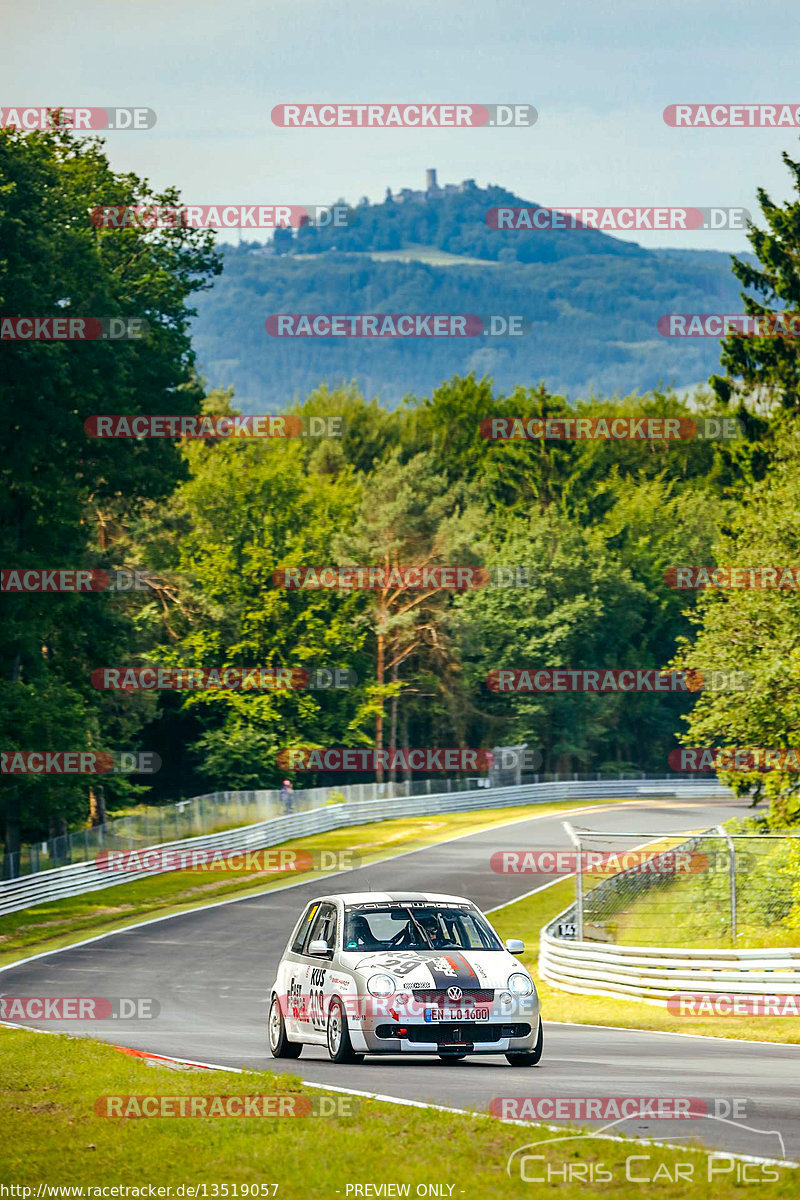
74,880
653,974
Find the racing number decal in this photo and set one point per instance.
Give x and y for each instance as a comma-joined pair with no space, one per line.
316,1005
398,964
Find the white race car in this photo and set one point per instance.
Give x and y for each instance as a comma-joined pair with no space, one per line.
402,973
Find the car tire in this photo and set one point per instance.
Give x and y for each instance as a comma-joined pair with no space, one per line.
340,1048
279,1044
531,1057
452,1058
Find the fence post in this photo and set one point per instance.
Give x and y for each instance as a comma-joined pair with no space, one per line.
576,841
732,878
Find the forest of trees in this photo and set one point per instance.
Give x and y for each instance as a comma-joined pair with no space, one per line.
209,521
593,303
456,223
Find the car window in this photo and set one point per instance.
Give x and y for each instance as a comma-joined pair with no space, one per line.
324,926
302,928
392,927
333,928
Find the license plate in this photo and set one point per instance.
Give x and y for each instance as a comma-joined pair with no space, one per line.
456,1014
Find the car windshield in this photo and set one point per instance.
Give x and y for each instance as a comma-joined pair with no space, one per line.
416,927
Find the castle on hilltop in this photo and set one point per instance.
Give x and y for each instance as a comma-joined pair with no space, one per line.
432,191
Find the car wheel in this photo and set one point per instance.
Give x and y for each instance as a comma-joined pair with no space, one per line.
452,1058
279,1044
340,1048
531,1057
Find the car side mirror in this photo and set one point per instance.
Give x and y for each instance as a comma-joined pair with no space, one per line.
515,946
318,947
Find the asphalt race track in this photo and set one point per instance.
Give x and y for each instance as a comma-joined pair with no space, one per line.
210,971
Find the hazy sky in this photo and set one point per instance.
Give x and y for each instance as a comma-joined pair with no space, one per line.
600,75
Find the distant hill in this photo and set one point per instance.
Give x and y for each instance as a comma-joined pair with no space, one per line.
593,302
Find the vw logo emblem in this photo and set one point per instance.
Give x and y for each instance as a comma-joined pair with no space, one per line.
454,993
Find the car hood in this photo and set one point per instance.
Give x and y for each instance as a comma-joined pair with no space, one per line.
429,970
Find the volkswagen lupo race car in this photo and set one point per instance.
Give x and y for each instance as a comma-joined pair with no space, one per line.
402,973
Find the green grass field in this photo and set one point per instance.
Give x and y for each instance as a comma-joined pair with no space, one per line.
53,1135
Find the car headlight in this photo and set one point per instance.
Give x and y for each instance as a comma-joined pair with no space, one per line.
519,984
381,985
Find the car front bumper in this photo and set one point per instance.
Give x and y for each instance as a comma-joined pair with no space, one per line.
505,1032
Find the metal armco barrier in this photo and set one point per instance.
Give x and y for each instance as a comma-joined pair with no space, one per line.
654,973
46,886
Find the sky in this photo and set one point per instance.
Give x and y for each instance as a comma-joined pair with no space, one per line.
599,75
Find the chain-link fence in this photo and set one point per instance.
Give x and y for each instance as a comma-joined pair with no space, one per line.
155,824
710,888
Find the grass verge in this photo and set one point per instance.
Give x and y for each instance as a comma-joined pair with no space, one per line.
62,922
54,1136
525,918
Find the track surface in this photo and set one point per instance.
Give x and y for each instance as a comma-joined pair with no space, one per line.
211,969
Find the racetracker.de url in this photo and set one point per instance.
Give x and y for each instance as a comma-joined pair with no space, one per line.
190,1190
